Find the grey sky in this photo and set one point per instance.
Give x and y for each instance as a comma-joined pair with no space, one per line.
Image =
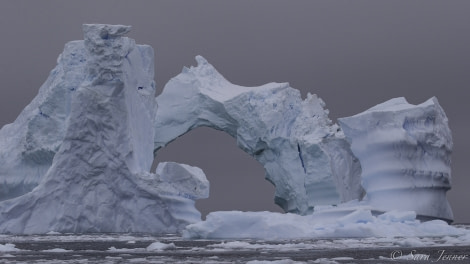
353,54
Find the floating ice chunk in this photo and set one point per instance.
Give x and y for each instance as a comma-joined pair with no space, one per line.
325,261
282,261
57,250
114,249
8,247
53,233
159,246
343,258
233,245
410,242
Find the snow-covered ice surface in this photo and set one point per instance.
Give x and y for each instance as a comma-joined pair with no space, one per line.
135,248
404,151
304,154
99,179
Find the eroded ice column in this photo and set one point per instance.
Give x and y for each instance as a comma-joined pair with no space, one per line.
404,151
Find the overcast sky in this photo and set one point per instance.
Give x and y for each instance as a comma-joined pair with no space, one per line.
353,54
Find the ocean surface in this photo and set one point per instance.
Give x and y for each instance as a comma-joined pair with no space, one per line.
144,248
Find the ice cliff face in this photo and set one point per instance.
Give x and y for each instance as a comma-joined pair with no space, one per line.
28,145
404,151
99,180
304,154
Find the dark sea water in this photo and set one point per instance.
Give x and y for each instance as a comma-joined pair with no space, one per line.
136,248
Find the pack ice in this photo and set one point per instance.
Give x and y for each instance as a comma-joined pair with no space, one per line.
78,157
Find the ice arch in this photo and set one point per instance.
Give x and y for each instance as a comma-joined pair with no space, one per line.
230,171
304,155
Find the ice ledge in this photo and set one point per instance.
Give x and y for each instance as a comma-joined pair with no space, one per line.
359,222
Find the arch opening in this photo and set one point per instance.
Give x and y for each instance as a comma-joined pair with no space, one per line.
236,179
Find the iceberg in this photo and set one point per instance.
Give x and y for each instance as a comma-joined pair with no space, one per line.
78,157
304,155
404,151
99,179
